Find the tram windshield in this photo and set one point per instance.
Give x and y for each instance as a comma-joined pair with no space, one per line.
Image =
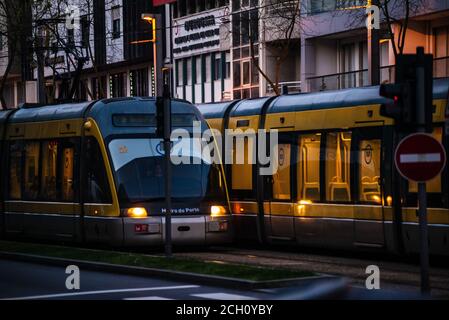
140,172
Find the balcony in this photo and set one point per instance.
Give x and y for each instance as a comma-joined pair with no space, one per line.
359,78
292,86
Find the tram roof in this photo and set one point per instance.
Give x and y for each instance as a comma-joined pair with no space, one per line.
98,111
249,107
342,98
215,109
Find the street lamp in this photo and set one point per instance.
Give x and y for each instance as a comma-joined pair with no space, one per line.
152,21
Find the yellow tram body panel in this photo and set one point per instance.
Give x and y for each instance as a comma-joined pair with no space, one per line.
108,210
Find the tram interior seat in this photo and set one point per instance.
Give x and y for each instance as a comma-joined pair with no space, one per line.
370,187
339,191
311,191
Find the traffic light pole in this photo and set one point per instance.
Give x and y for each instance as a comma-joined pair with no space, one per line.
422,195
168,173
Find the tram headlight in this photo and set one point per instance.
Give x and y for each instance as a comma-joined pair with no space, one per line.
137,212
217,211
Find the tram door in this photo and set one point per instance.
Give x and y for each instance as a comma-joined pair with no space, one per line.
281,206
368,211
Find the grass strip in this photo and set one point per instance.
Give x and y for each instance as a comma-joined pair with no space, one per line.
246,272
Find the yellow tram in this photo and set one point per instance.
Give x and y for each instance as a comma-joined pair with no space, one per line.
94,172
336,185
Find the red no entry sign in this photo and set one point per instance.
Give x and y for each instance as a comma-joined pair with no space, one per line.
420,157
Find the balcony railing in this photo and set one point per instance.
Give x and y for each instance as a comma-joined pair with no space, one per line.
359,78
337,81
292,87
282,8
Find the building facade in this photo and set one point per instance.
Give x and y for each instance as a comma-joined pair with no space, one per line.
218,49
334,42
201,50
103,43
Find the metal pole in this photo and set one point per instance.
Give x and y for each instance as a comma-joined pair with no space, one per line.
168,180
422,195
373,53
41,96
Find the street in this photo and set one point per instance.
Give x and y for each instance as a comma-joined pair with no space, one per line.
29,281
20,280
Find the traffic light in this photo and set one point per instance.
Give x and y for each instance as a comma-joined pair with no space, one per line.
411,95
401,109
160,121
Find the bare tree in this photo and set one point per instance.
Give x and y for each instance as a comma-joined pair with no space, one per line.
14,28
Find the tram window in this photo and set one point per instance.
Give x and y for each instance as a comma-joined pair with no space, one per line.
369,171
49,169
242,173
309,167
15,171
97,189
281,179
434,185
338,147
31,185
67,168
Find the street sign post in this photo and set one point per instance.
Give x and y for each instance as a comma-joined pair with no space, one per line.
419,157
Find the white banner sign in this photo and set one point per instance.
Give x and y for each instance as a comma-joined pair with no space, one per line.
198,33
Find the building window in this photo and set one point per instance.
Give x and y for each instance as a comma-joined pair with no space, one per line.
236,74
210,4
179,73
245,72
85,31
139,83
217,69
200,5
198,72
117,83
116,22
99,88
208,68
244,32
227,74
189,71
182,7
441,52
70,38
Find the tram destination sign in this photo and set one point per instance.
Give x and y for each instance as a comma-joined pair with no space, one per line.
420,157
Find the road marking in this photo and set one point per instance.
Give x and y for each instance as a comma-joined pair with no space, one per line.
60,295
420,157
222,296
148,298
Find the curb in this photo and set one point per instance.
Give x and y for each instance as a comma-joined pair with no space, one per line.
210,280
